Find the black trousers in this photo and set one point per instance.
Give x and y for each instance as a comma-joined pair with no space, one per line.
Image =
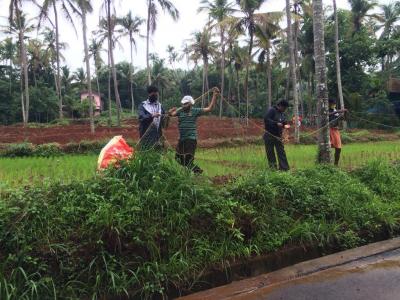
273,144
185,154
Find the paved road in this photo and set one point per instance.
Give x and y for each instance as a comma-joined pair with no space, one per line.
371,272
374,278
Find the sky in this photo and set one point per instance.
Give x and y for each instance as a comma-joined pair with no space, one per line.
168,32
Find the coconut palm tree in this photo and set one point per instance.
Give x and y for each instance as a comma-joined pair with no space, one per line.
111,23
360,11
103,35
388,18
202,47
45,7
248,22
95,49
8,53
219,11
293,72
19,26
266,35
337,54
152,13
83,8
49,38
324,152
131,26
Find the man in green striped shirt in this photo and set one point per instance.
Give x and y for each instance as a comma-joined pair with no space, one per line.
187,118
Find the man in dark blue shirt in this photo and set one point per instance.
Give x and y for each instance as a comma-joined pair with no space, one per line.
275,121
151,120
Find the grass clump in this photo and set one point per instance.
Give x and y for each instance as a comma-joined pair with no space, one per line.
150,227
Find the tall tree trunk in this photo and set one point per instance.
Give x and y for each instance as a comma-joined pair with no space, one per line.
109,91
293,72
238,91
88,76
204,84
246,83
59,94
11,77
296,59
131,74
22,94
222,72
207,87
26,78
324,151
148,43
269,77
113,71
338,69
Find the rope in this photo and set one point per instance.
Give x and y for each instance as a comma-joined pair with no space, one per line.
167,115
376,123
277,137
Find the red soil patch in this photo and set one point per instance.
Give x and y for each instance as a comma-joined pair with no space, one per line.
212,131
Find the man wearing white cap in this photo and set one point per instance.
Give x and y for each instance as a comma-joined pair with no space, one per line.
187,117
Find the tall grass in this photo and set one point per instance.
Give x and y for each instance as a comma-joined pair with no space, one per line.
150,227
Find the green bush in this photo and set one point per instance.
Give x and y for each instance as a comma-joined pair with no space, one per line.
84,147
47,150
150,225
18,150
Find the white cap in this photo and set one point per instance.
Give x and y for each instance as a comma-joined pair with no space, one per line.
187,99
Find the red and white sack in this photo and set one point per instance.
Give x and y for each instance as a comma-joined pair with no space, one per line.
117,149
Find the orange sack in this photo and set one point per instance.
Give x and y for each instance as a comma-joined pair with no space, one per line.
116,149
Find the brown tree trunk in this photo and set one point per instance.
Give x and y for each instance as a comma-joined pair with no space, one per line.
131,75
338,69
222,72
269,77
58,84
88,76
293,75
324,151
113,71
148,43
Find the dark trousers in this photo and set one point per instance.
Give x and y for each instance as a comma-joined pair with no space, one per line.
272,144
185,154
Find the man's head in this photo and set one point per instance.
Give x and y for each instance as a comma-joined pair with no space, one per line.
332,103
152,91
282,105
187,103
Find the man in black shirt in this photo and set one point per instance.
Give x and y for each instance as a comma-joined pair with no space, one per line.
275,121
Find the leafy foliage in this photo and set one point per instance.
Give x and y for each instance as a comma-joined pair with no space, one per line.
150,227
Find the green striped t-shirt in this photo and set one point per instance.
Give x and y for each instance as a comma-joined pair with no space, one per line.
187,124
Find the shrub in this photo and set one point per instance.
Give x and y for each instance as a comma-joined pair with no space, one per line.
150,225
47,150
18,150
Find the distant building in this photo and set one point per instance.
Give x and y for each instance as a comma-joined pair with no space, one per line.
98,108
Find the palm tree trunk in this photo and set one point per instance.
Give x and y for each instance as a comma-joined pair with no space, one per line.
207,86
269,78
114,73
131,75
88,76
324,151
222,72
338,69
247,73
293,72
109,91
11,76
148,42
296,59
204,84
238,91
22,94
60,101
